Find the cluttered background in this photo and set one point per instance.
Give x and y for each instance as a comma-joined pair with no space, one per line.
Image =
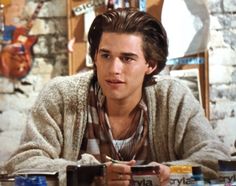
193,27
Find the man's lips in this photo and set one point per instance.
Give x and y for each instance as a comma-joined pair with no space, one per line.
114,81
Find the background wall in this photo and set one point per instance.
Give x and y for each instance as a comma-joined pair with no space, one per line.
222,69
50,60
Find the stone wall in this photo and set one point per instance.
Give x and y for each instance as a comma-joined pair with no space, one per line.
222,69
50,60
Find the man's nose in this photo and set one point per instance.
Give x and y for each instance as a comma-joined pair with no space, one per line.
116,65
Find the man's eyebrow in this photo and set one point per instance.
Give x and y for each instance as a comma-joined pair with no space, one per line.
128,54
103,50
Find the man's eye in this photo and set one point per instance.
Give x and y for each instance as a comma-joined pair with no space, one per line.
127,59
105,56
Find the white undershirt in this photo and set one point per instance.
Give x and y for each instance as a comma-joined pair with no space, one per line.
124,144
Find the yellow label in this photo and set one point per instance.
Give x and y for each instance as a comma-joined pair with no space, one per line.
181,169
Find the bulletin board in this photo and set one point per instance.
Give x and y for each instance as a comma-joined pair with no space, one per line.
76,28
77,58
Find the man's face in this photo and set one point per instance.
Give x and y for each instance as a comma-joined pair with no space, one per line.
121,66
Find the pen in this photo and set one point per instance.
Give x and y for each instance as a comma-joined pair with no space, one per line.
112,160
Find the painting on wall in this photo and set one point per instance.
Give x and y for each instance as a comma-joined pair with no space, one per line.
16,39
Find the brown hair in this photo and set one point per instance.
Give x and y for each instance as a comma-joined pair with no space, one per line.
123,20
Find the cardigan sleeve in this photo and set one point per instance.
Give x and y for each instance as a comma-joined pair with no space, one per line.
50,139
181,134
194,139
196,144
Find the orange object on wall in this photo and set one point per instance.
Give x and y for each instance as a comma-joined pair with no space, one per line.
15,57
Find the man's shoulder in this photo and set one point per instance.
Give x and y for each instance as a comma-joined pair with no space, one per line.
168,86
69,85
79,79
167,82
67,88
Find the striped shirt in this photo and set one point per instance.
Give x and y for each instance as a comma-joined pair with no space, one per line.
98,139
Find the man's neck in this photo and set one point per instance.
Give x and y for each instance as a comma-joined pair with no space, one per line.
122,117
118,108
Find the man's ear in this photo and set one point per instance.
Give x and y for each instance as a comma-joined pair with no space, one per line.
150,69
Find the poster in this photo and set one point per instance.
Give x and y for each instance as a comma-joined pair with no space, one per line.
187,25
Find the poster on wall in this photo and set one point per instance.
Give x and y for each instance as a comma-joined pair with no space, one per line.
187,25
16,39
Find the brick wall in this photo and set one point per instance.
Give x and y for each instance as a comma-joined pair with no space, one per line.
50,60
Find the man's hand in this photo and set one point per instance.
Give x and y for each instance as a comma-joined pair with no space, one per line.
164,173
119,173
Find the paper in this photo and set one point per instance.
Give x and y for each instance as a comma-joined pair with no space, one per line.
187,25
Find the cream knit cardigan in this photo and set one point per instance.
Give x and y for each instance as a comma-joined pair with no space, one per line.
179,133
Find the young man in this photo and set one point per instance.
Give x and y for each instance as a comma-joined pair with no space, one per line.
119,110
